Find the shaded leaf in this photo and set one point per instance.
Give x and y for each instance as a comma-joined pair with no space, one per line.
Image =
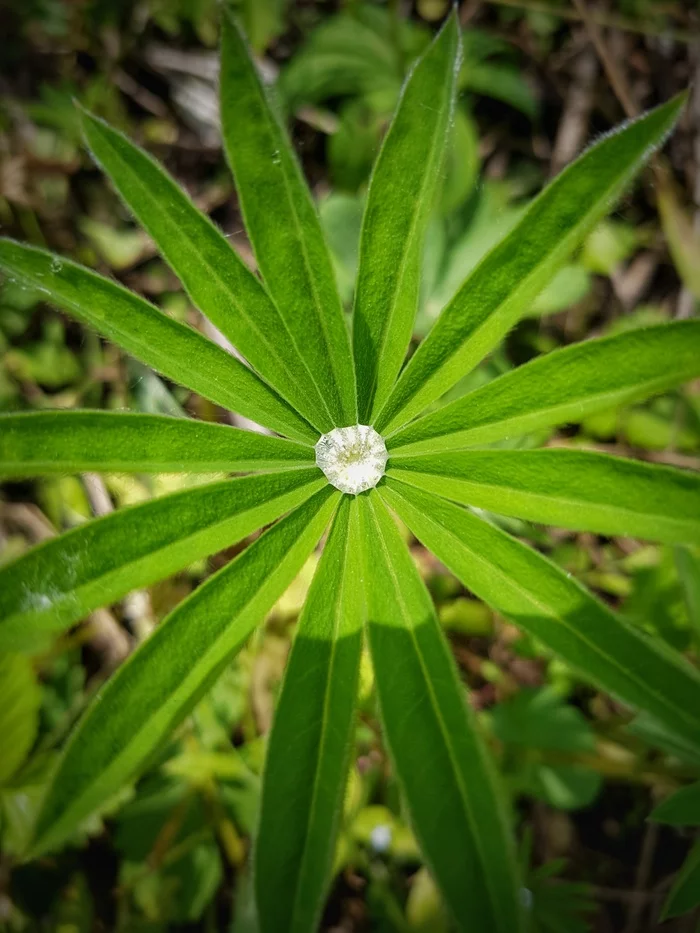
309,747
680,809
685,893
449,781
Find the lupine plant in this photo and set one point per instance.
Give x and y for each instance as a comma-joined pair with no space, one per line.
349,449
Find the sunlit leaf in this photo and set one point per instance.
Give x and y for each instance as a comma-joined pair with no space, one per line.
399,201
563,386
215,277
527,588
156,687
173,349
576,489
60,581
507,281
44,442
283,226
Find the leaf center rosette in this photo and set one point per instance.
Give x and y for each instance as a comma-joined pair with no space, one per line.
353,458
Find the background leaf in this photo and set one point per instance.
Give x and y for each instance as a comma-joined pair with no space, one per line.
680,809
20,698
684,896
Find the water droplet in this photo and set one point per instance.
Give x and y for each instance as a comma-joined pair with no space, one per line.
56,265
353,458
276,158
380,838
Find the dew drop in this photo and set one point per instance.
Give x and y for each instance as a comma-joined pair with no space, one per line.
56,265
353,458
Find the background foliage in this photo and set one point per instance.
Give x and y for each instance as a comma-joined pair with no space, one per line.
170,851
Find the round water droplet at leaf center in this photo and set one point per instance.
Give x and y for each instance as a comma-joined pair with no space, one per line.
353,458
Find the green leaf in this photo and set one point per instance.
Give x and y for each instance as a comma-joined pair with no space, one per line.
688,566
308,753
681,808
158,685
578,489
38,443
215,277
527,588
684,896
508,280
441,762
563,386
173,349
346,55
400,198
283,227
55,584
20,699
539,718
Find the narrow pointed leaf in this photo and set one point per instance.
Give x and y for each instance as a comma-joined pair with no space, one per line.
399,202
511,276
448,778
566,385
680,809
158,685
283,226
527,588
577,489
57,583
215,277
171,348
687,562
37,443
308,752
684,896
